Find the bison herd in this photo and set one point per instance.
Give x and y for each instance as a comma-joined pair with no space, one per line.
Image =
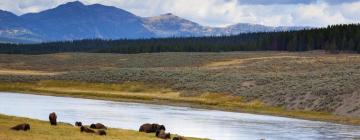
159,130
53,121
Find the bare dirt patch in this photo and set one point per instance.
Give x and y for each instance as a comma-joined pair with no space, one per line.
27,72
350,105
248,84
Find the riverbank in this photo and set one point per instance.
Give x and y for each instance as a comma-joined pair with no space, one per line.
142,93
41,130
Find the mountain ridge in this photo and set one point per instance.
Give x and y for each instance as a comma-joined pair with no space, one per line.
75,20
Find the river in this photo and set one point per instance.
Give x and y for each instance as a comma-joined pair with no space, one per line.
218,125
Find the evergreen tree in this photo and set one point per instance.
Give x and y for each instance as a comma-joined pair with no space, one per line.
333,48
334,38
351,45
292,45
358,48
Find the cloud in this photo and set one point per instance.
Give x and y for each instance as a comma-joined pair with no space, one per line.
272,2
26,6
223,12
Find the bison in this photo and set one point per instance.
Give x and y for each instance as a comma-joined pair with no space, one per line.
101,132
151,128
159,127
86,130
23,127
78,124
52,118
161,134
98,126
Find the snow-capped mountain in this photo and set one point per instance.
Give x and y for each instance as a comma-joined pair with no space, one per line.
171,25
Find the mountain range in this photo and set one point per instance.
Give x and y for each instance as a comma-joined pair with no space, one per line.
74,20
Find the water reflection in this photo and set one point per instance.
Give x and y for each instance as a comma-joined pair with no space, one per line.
218,125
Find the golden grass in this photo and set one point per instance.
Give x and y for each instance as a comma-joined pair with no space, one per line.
244,60
27,72
138,92
41,130
295,59
63,56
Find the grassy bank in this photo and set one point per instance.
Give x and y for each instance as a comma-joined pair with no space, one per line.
138,92
41,130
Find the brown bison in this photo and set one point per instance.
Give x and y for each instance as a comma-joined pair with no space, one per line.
179,138
147,128
86,130
151,128
52,118
101,132
23,127
78,124
161,134
158,127
98,126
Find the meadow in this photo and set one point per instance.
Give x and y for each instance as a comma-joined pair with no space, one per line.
311,85
42,130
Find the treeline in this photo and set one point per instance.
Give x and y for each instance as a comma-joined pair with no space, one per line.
333,38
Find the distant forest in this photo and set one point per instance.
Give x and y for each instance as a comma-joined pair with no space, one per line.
334,38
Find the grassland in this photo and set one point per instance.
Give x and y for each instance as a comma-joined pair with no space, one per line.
312,85
41,130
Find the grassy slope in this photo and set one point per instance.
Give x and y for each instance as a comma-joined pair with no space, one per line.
137,92
41,130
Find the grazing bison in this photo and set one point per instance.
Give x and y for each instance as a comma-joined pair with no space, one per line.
161,134
78,124
101,132
23,127
86,130
98,126
179,138
151,128
52,118
158,127
147,128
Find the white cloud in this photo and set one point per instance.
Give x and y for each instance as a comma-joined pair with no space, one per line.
219,12
25,6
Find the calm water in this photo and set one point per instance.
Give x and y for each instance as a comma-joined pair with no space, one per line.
217,125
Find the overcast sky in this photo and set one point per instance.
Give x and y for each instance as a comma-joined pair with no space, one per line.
222,12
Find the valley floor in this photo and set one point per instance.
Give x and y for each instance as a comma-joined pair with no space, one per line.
312,85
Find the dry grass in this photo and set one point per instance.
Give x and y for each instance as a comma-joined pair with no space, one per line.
226,63
63,57
41,130
27,72
122,92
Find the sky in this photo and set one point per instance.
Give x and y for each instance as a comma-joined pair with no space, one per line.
222,13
